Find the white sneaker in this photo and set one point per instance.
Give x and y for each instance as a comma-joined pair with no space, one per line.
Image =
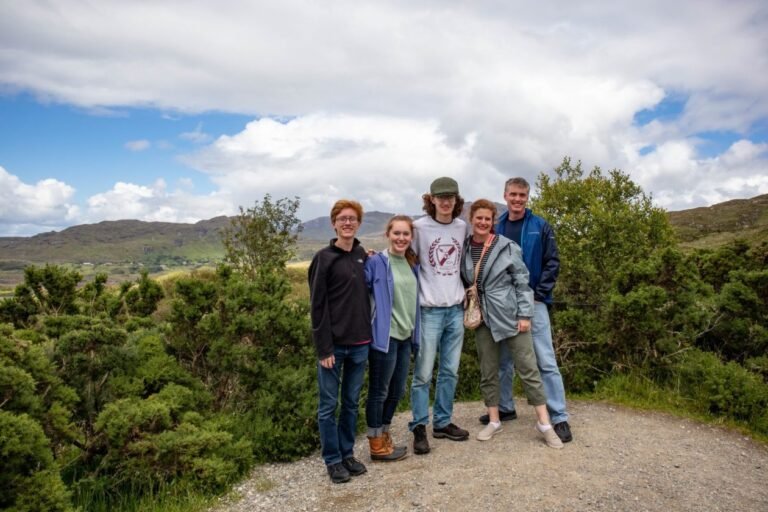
488,432
550,436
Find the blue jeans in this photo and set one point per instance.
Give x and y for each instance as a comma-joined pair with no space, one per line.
547,362
338,440
442,330
387,374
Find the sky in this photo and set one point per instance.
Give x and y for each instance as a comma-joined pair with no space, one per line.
178,111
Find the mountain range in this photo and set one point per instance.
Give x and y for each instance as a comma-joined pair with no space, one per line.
160,245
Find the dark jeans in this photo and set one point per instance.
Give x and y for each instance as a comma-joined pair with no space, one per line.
338,439
387,375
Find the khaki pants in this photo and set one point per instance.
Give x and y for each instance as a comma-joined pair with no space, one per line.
521,348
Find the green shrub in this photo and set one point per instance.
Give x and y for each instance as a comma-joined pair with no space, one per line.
251,348
738,272
281,420
160,439
29,479
29,384
723,389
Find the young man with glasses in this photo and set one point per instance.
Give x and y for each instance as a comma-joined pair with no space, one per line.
341,331
438,240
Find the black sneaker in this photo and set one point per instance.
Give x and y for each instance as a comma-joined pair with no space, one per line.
338,473
503,416
420,443
563,431
452,432
353,466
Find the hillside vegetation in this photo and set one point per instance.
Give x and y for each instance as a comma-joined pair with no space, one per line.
717,225
123,248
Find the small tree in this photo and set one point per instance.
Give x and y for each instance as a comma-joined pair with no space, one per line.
605,225
600,221
263,236
49,290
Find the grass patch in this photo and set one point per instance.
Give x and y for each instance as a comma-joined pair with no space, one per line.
171,499
297,276
263,484
638,391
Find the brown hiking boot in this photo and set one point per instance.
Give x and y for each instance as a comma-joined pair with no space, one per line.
381,451
392,445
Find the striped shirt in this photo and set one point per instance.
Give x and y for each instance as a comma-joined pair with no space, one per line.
475,249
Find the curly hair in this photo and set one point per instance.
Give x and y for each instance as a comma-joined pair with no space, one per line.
431,210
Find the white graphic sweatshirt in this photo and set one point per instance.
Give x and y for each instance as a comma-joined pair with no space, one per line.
439,249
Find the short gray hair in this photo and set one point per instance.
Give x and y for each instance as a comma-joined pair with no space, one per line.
520,182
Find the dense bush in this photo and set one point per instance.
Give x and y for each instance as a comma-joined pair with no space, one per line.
740,274
251,348
722,389
29,478
191,399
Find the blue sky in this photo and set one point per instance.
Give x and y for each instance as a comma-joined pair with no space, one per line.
93,149
104,115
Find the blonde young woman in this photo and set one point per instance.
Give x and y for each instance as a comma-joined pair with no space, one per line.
392,277
506,301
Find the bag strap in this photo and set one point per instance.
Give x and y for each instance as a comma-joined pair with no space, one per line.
486,245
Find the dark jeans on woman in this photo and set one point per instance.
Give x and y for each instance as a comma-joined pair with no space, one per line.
387,376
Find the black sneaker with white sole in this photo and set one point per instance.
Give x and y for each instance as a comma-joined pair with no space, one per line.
451,432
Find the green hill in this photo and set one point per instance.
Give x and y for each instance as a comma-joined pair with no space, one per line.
716,225
122,248
119,241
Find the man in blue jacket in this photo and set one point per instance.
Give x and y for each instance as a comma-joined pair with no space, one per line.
537,241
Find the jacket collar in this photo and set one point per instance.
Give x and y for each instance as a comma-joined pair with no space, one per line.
332,244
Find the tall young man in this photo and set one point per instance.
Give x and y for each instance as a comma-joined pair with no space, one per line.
341,330
537,241
438,240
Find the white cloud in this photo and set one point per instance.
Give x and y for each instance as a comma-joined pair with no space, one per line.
684,181
384,96
384,162
155,203
197,135
137,145
30,208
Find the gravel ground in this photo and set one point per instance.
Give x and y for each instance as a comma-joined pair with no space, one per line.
620,459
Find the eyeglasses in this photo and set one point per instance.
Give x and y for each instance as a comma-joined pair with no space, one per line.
346,220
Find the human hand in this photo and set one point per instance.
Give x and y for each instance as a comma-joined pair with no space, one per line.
524,324
328,362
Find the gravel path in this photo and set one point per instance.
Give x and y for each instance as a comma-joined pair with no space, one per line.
620,459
